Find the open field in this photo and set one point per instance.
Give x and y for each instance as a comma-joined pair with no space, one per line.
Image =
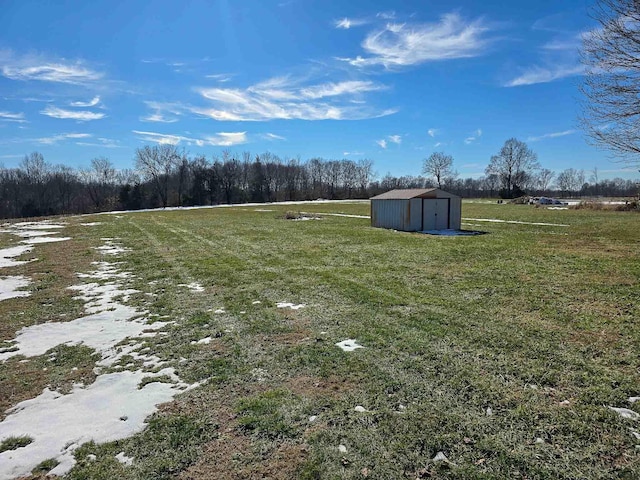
503,352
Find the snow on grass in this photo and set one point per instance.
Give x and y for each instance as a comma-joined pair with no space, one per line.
59,424
9,287
348,345
626,413
292,306
29,233
194,286
37,225
203,341
116,405
111,248
36,240
91,224
518,222
122,458
7,255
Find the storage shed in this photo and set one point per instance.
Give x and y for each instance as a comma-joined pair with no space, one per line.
416,210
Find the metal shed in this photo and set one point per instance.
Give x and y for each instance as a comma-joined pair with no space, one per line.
416,210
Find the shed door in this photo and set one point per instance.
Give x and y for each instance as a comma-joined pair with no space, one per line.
435,213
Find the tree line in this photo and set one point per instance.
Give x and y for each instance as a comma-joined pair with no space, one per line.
166,176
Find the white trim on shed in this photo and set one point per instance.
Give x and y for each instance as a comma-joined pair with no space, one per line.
417,210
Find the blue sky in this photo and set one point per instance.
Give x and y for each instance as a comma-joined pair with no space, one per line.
389,81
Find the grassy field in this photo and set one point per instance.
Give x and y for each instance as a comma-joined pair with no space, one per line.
502,351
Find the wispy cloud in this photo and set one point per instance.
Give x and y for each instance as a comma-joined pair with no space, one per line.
273,136
347,23
221,139
400,45
101,143
395,139
473,137
80,115
12,117
91,103
161,110
221,77
33,67
346,154
432,132
551,135
536,75
382,143
54,139
286,99
390,15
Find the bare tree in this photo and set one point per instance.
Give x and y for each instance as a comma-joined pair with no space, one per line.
440,167
544,179
513,165
156,164
611,56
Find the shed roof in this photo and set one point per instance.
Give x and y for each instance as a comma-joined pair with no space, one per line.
405,194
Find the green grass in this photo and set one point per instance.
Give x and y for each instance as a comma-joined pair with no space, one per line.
12,443
537,323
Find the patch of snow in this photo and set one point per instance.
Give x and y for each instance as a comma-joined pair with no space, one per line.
489,412
196,287
313,418
626,413
219,311
59,423
122,458
91,224
203,341
348,345
256,302
440,457
38,225
633,399
263,210
292,306
8,254
495,220
112,249
304,219
342,448
635,434
539,440
9,287
557,208
36,240
360,409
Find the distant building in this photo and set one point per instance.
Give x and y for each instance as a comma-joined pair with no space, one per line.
416,210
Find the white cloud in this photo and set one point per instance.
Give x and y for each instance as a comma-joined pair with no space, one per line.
52,140
80,115
221,77
347,23
439,144
382,143
12,117
32,67
285,99
399,45
432,132
91,103
473,137
340,88
390,15
273,136
535,75
346,154
551,135
160,112
395,139
102,143
221,139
